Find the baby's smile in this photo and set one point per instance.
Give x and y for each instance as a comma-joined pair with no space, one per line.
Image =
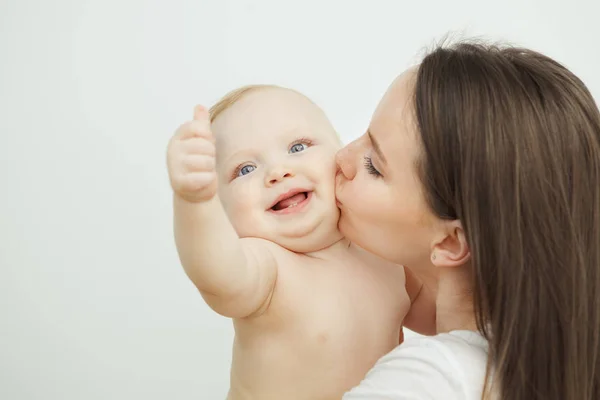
291,202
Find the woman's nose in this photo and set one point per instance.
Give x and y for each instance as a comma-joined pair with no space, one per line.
345,161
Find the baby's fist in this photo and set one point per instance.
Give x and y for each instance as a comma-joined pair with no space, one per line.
191,159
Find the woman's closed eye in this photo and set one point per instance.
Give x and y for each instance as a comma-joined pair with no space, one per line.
368,163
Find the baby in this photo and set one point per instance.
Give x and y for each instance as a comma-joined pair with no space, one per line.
256,231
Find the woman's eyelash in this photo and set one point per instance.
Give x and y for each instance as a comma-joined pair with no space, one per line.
370,167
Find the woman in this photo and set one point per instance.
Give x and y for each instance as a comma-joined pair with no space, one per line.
480,172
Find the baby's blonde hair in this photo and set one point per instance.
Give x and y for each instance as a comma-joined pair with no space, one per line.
234,96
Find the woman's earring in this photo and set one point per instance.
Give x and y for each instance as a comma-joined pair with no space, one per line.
433,256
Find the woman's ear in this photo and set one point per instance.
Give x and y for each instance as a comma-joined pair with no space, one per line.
451,249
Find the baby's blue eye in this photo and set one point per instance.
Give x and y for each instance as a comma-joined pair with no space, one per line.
245,170
298,147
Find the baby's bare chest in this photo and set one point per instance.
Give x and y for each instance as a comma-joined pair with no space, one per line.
327,297
326,321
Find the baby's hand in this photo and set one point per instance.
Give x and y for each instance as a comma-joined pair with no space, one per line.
191,159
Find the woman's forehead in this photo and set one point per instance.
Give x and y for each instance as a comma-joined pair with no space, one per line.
395,111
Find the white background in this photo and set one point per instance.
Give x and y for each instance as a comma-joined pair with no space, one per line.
93,302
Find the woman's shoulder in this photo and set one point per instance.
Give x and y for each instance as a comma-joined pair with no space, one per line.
455,345
446,366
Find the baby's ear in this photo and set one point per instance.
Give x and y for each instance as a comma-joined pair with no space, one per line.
451,249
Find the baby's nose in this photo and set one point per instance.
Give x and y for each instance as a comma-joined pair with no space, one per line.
277,174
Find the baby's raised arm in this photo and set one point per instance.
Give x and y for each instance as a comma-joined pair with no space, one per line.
235,276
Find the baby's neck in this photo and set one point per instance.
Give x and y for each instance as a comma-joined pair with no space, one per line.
331,251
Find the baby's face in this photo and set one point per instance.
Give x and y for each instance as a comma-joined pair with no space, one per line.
276,169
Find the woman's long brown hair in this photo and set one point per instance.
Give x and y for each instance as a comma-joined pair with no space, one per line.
511,148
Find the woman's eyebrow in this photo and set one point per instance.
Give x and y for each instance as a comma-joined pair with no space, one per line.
376,147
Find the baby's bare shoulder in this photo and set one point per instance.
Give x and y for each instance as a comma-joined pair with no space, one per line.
372,261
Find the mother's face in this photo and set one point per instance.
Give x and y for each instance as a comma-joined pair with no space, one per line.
383,209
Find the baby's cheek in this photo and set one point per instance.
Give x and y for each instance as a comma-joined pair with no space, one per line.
229,201
239,217
244,204
325,164
242,208
245,207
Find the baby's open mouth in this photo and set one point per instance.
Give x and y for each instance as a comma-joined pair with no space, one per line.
290,202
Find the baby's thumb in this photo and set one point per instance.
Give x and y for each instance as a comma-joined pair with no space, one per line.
200,113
